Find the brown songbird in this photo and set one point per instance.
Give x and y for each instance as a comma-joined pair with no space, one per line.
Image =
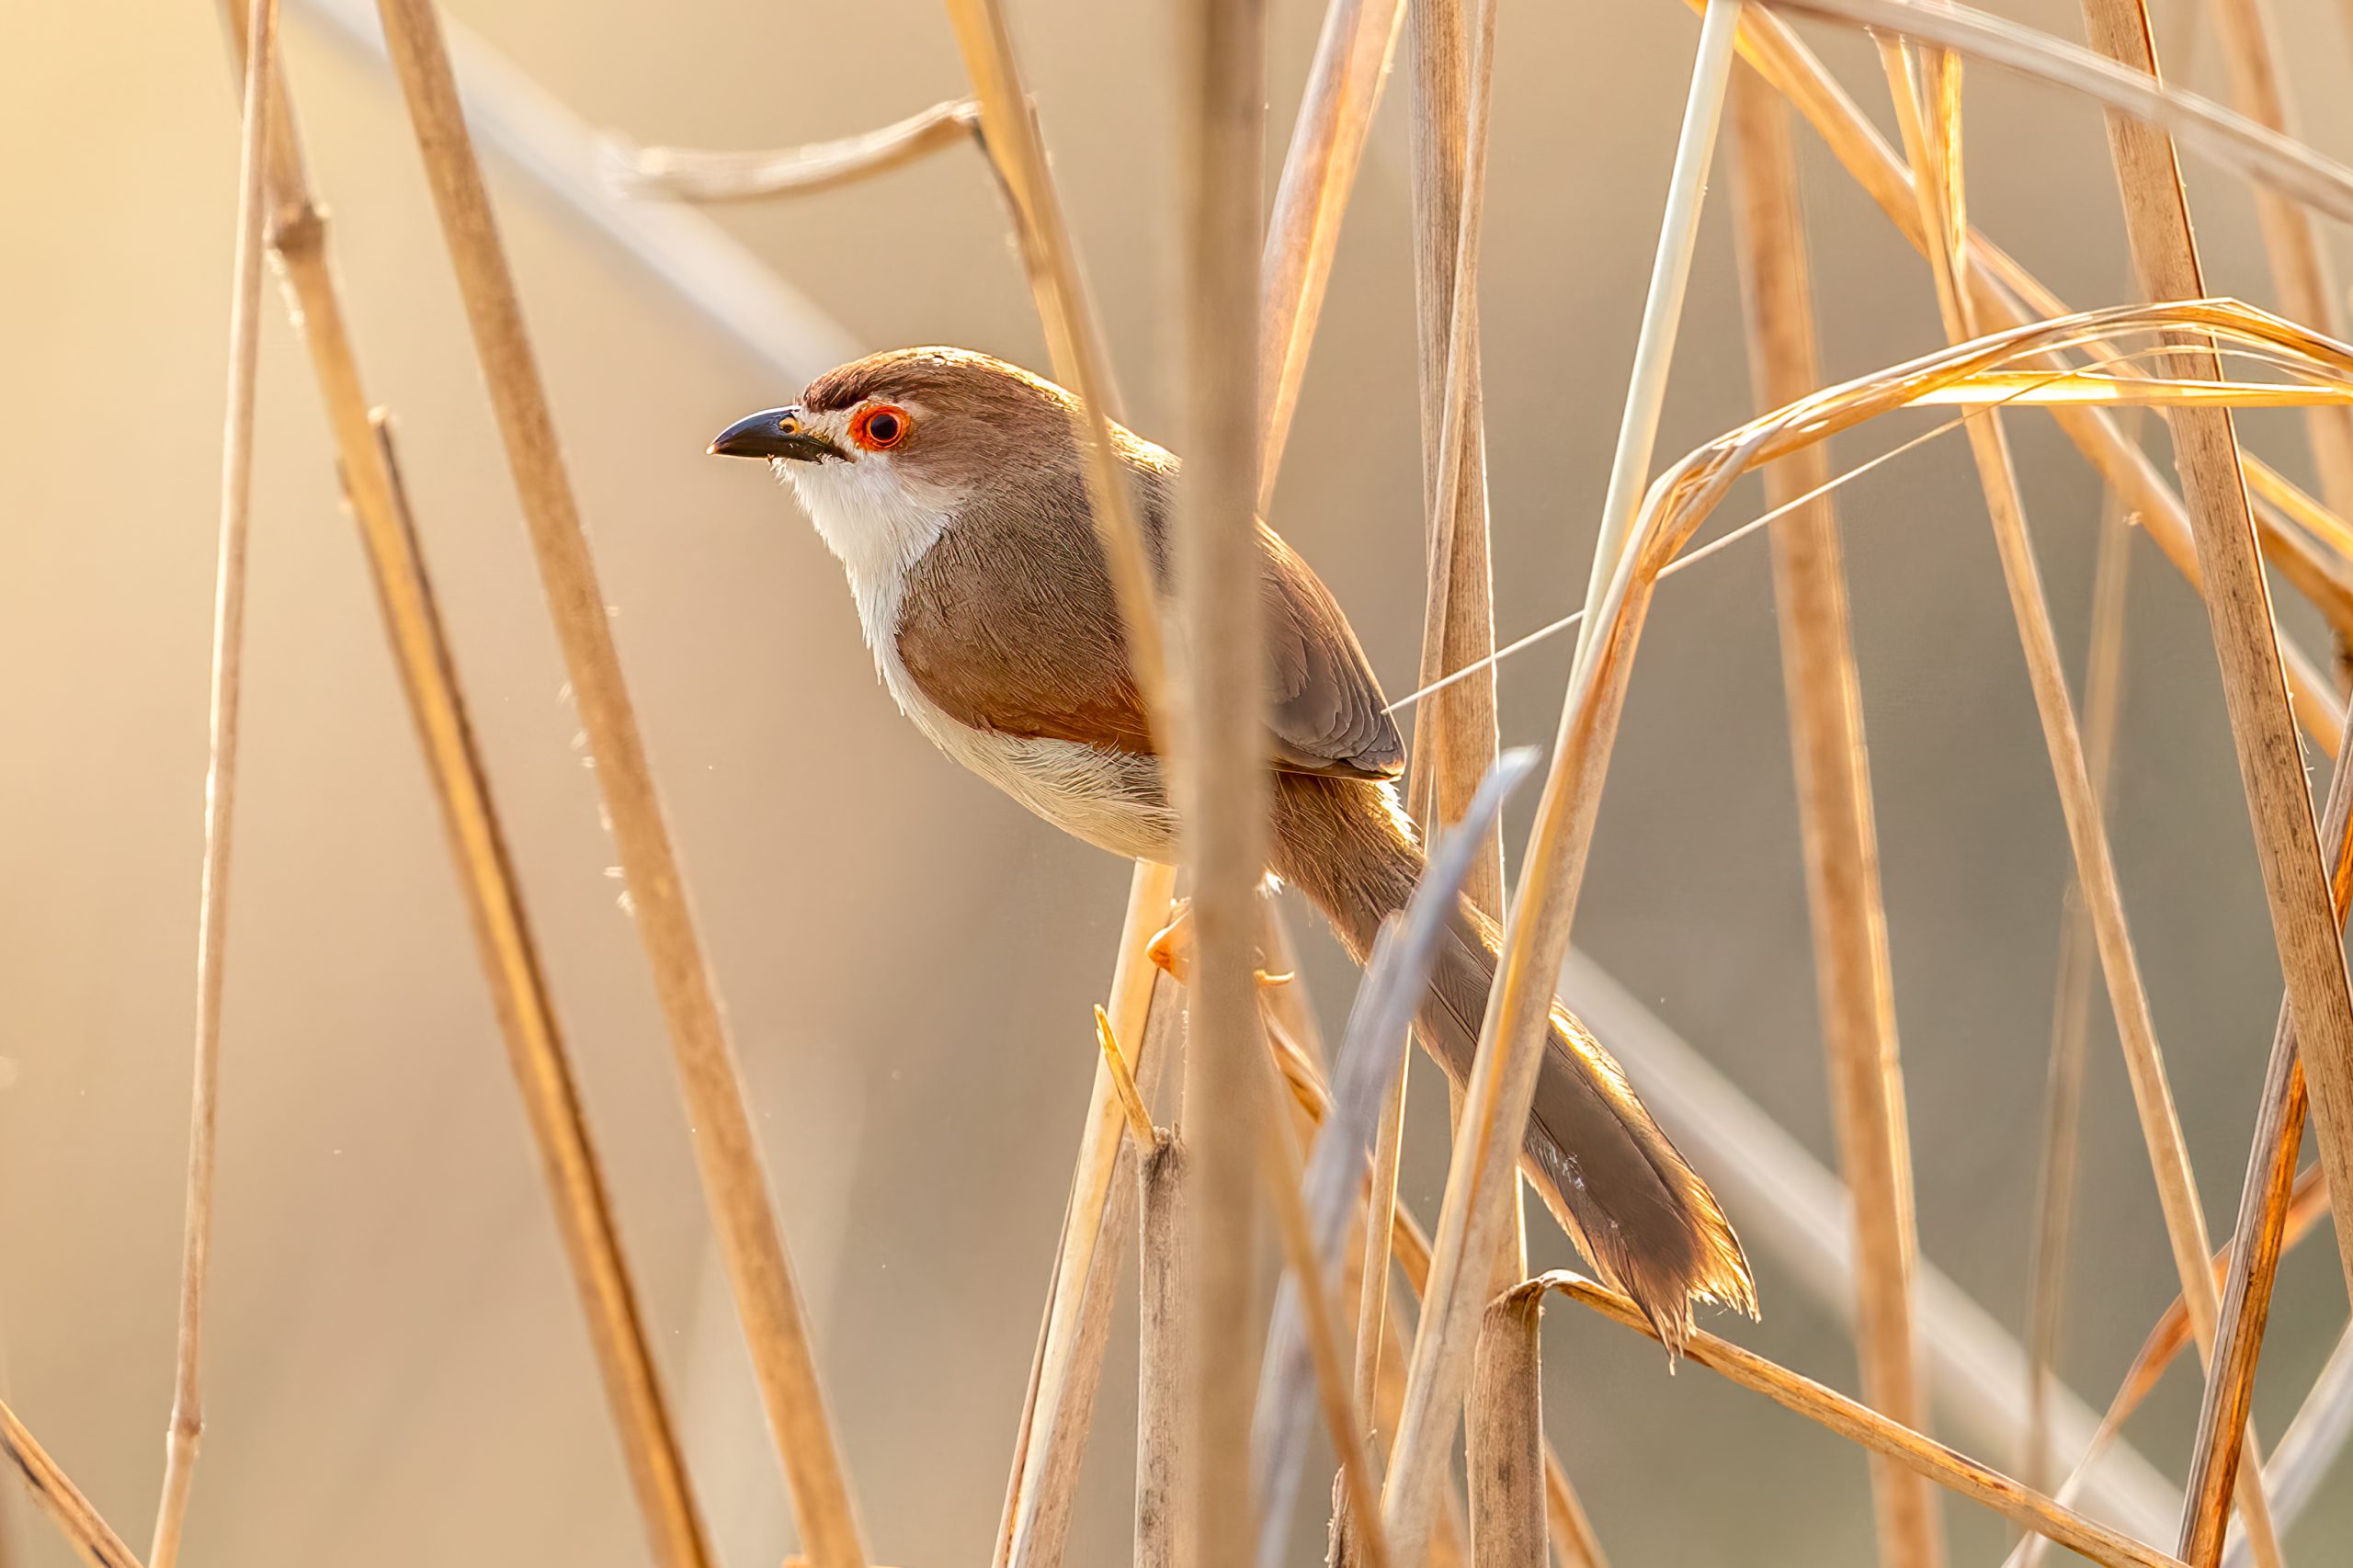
951,487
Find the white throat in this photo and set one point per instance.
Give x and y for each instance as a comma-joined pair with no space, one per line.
878,523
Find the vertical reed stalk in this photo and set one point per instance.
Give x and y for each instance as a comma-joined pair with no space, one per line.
1483,1177
1220,765
187,1428
1853,976
2238,605
725,1148
508,954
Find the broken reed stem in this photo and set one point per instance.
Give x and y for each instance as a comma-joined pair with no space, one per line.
2004,294
185,1430
1508,1471
508,954
1064,1376
2257,1241
77,1520
1220,772
1859,1423
1483,1177
695,174
1074,338
1165,1326
726,1150
2071,1006
1853,975
2239,606
2300,269
1343,85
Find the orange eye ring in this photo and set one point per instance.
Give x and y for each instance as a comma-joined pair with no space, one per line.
881,426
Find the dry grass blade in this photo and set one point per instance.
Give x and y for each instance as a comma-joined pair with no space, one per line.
1860,1424
1220,773
2279,162
187,1428
2257,1241
2070,1010
1483,1176
726,1150
1303,231
508,955
1507,1475
1853,976
1073,339
2303,921
695,174
92,1540
2005,293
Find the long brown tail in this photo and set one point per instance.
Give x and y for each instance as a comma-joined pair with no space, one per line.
1642,1216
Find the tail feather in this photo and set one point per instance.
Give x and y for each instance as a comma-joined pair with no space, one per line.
1640,1215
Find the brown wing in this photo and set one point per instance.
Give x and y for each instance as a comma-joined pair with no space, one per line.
1003,629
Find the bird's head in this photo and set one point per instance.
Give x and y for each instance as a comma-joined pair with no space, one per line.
914,428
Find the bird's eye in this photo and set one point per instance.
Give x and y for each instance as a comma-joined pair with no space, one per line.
881,426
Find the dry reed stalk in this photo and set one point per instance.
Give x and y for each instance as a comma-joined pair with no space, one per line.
1218,776
1859,1423
2313,569
2315,1439
2300,269
696,173
2070,1008
2239,143
1074,338
509,956
1483,1177
185,1430
2257,1239
725,1148
1853,977
1165,1326
1327,143
2303,921
1058,1409
2007,294
1508,1473
77,1520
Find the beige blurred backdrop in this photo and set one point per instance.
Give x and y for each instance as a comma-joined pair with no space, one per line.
397,1369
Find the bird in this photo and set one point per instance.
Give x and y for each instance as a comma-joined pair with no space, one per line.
951,487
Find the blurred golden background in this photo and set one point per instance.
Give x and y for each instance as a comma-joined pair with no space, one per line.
397,1371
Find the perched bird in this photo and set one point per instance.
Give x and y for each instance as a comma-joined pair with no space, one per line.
951,487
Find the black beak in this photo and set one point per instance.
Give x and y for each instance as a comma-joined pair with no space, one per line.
773,433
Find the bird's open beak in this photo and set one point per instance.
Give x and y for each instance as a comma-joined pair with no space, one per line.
773,433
